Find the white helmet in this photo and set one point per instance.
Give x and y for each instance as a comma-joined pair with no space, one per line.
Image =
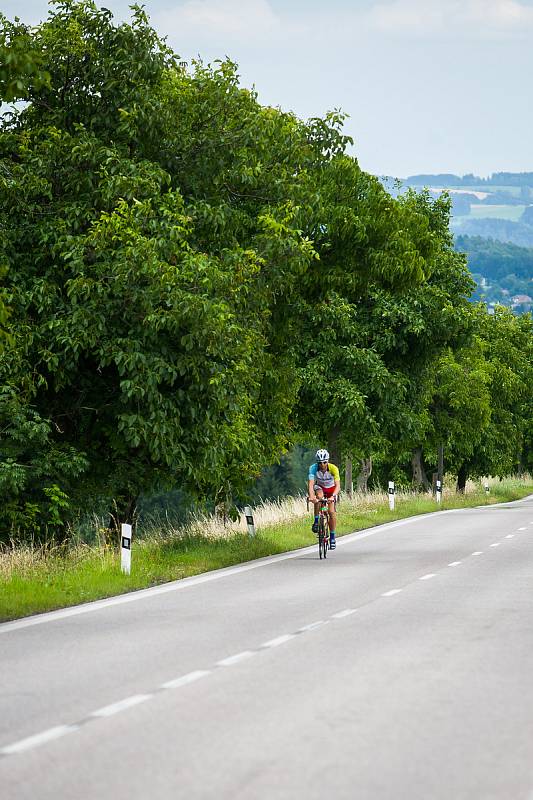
322,455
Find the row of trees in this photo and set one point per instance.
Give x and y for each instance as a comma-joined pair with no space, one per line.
193,281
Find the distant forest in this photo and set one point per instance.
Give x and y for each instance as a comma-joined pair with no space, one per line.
503,271
448,179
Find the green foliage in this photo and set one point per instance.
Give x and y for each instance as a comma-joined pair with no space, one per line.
482,400
21,63
369,364
30,463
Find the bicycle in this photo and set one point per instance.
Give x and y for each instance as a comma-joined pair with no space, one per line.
323,526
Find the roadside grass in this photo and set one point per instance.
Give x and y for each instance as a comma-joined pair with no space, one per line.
38,579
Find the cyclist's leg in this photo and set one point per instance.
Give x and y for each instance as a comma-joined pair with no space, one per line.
332,514
332,523
319,495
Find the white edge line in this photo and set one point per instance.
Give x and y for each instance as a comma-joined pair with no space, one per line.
279,640
230,660
38,739
173,586
185,679
122,705
345,613
391,592
312,626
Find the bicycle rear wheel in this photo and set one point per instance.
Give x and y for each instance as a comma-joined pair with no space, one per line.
320,537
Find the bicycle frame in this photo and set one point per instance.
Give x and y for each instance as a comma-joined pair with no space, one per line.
323,528
323,525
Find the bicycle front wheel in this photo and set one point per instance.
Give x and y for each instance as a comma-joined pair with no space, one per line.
320,538
325,538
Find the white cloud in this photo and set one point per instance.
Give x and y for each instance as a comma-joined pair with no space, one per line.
225,21
469,17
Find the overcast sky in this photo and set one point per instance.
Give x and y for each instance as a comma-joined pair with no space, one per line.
429,85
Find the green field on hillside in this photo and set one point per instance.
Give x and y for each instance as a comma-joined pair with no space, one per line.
514,191
482,211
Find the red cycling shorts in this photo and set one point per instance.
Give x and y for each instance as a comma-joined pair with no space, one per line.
327,492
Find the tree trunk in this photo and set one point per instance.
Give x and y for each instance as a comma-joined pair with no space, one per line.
364,474
420,480
333,447
124,509
223,504
348,478
462,475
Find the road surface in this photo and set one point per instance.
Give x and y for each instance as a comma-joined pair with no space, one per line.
401,667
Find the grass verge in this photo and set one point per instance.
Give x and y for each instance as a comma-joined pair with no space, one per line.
34,580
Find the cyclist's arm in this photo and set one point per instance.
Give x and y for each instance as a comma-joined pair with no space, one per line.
336,474
311,482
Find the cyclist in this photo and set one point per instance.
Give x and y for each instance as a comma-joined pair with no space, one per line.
324,481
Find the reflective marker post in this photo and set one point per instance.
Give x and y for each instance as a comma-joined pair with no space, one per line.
487,489
391,495
249,520
439,491
125,549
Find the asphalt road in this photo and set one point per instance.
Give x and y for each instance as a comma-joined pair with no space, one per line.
402,667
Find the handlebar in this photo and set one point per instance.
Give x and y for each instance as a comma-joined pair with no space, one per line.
334,497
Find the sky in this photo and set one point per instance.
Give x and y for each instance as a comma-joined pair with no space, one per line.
429,85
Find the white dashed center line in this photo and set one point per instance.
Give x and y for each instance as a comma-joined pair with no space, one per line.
427,577
122,705
391,592
522,529
495,544
38,739
478,553
345,613
509,536
454,563
185,679
228,662
279,640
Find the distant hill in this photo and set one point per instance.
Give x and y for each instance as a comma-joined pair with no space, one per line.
447,179
492,219
503,271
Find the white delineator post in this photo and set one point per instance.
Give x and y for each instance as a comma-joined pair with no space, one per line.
249,520
439,491
125,548
391,495
487,489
